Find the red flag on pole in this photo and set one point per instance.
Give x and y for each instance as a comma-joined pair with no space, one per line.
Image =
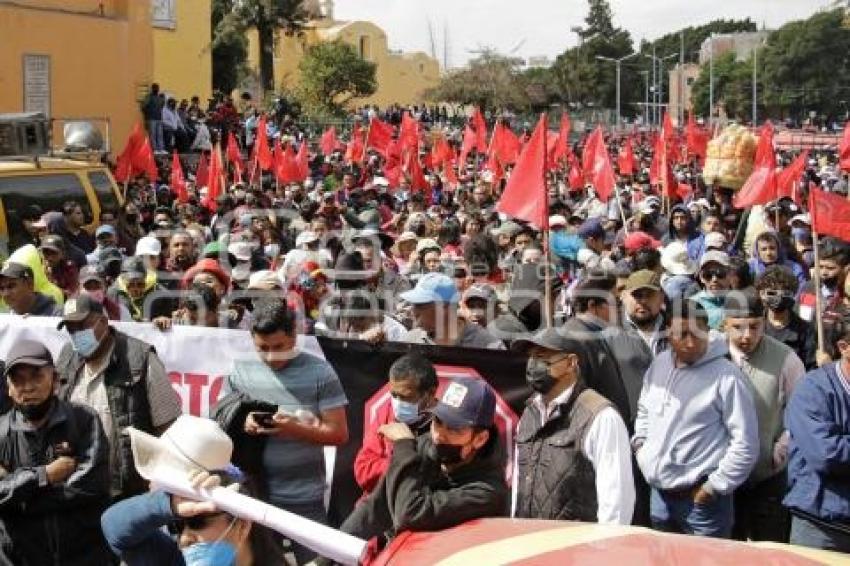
413,168
588,155
603,173
178,181
216,177
302,162
830,214
844,150
329,143
144,162
525,196
289,172
355,150
696,139
626,158
469,141
408,133
661,166
234,155
562,147
667,131
124,161
261,146
788,180
380,136
576,178
480,130
760,187
202,174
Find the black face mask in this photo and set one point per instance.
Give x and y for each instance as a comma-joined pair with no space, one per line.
448,454
538,377
35,412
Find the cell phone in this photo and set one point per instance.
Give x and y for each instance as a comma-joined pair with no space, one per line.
264,419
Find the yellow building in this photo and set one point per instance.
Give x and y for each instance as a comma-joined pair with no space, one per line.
97,58
401,77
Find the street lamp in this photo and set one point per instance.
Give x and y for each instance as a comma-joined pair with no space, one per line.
657,84
617,62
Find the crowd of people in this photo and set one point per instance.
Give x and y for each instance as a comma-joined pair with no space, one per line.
675,375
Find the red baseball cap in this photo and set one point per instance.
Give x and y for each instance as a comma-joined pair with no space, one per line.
639,240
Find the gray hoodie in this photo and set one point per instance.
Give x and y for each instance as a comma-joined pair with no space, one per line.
696,421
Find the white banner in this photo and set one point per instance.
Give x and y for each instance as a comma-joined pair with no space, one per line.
196,358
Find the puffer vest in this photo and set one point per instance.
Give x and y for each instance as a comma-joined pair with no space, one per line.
555,478
125,379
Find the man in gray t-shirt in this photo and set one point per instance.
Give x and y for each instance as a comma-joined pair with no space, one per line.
311,413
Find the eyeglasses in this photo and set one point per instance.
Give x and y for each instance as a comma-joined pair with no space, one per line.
719,273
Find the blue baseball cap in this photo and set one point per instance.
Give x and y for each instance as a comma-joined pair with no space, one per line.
432,288
104,229
467,402
591,228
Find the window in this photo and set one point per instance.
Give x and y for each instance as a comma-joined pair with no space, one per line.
103,188
47,191
365,47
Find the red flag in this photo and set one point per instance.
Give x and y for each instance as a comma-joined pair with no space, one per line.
449,173
788,180
603,173
552,149
329,143
830,214
216,177
202,174
765,155
626,158
504,144
684,191
441,152
468,145
302,162
414,170
667,131
844,150
393,175
408,133
261,146
234,155
289,172
277,160
480,130
144,162
495,167
380,136
696,139
525,196
178,181
661,165
588,155
562,147
355,150
124,161
576,178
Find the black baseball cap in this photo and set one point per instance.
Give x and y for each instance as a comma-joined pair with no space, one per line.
27,353
549,338
14,270
77,309
467,402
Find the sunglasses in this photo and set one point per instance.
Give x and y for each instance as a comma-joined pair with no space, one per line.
719,273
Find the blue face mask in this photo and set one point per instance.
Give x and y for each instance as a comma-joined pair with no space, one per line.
405,411
218,553
85,342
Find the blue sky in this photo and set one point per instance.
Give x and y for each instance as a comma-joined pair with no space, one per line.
542,27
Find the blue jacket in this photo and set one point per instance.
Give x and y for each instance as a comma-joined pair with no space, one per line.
757,266
818,420
133,529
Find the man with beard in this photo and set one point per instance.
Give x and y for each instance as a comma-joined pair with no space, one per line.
181,256
55,464
442,479
777,289
573,456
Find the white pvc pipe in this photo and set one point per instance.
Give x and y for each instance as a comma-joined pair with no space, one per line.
326,541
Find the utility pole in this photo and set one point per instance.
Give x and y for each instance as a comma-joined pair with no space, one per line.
617,62
646,98
755,85
661,83
680,100
654,88
710,80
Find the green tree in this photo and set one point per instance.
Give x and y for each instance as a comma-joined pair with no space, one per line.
806,67
490,81
229,48
733,82
268,17
332,74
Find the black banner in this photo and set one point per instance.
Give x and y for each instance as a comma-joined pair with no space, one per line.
363,369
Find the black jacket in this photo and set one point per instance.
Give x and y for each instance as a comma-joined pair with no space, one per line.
54,524
230,414
416,495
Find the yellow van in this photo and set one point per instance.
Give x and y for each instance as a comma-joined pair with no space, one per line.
49,182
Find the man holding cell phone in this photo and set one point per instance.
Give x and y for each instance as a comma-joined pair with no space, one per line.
310,413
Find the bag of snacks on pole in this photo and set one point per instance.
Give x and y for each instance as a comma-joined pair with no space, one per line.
729,157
